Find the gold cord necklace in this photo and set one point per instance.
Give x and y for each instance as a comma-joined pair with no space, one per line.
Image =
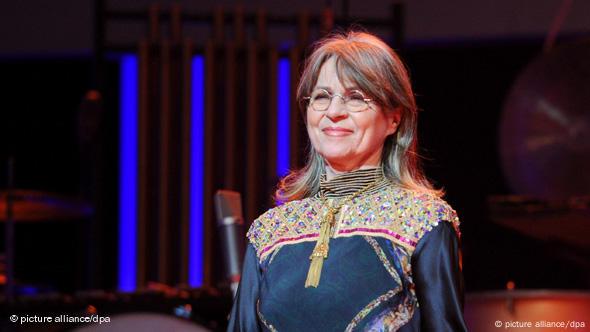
320,252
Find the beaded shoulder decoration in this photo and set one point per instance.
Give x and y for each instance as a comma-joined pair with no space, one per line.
400,215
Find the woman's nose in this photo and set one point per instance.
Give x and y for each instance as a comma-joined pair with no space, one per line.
337,108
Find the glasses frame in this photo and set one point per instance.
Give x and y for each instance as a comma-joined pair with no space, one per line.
344,100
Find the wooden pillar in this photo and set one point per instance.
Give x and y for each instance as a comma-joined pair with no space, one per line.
187,55
218,25
143,155
272,117
176,23
303,28
397,19
327,21
165,169
210,164
296,122
230,117
261,27
252,133
239,29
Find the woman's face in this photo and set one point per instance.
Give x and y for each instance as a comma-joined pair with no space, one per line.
346,140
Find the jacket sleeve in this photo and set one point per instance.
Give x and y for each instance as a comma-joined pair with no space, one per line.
243,315
439,283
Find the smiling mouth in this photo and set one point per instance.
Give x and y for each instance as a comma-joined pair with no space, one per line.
336,132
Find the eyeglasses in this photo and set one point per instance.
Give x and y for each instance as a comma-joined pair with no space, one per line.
354,100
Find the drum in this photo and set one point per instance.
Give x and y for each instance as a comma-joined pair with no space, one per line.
143,322
528,310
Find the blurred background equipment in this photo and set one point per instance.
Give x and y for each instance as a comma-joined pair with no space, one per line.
545,154
140,322
29,206
541,308
545,126
230,225
165,308
38,206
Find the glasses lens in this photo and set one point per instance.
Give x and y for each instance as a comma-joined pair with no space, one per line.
355,102
320,100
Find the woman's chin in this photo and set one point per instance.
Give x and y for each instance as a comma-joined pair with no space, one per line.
338,160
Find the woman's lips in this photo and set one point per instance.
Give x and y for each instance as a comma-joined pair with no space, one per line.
337,131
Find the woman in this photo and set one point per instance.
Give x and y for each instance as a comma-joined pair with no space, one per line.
363,241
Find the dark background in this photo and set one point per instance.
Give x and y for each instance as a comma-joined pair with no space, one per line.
461,74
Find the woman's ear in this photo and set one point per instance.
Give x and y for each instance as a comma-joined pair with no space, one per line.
393,120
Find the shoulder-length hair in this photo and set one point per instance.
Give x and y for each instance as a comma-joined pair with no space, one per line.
366,61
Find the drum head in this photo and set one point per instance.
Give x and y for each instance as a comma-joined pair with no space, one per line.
545,126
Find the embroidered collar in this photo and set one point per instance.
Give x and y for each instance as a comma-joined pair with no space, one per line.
400,215
351,182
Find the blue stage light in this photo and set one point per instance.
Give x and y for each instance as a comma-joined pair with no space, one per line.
197,173
128,158
283,118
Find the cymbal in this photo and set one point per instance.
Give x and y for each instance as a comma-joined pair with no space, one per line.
33,206
545,126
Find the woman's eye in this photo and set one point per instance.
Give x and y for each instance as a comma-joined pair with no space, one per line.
322,96
356,96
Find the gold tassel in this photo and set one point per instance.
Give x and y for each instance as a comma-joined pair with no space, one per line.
320,252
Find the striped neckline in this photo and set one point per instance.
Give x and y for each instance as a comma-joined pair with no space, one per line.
351,182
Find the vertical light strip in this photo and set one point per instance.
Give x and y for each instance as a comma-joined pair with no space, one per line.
284,114
197,173
128,173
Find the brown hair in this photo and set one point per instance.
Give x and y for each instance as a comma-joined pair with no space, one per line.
369,63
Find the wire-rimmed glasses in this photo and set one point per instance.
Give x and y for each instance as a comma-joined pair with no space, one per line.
354,100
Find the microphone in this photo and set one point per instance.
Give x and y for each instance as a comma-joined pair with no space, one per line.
230,223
